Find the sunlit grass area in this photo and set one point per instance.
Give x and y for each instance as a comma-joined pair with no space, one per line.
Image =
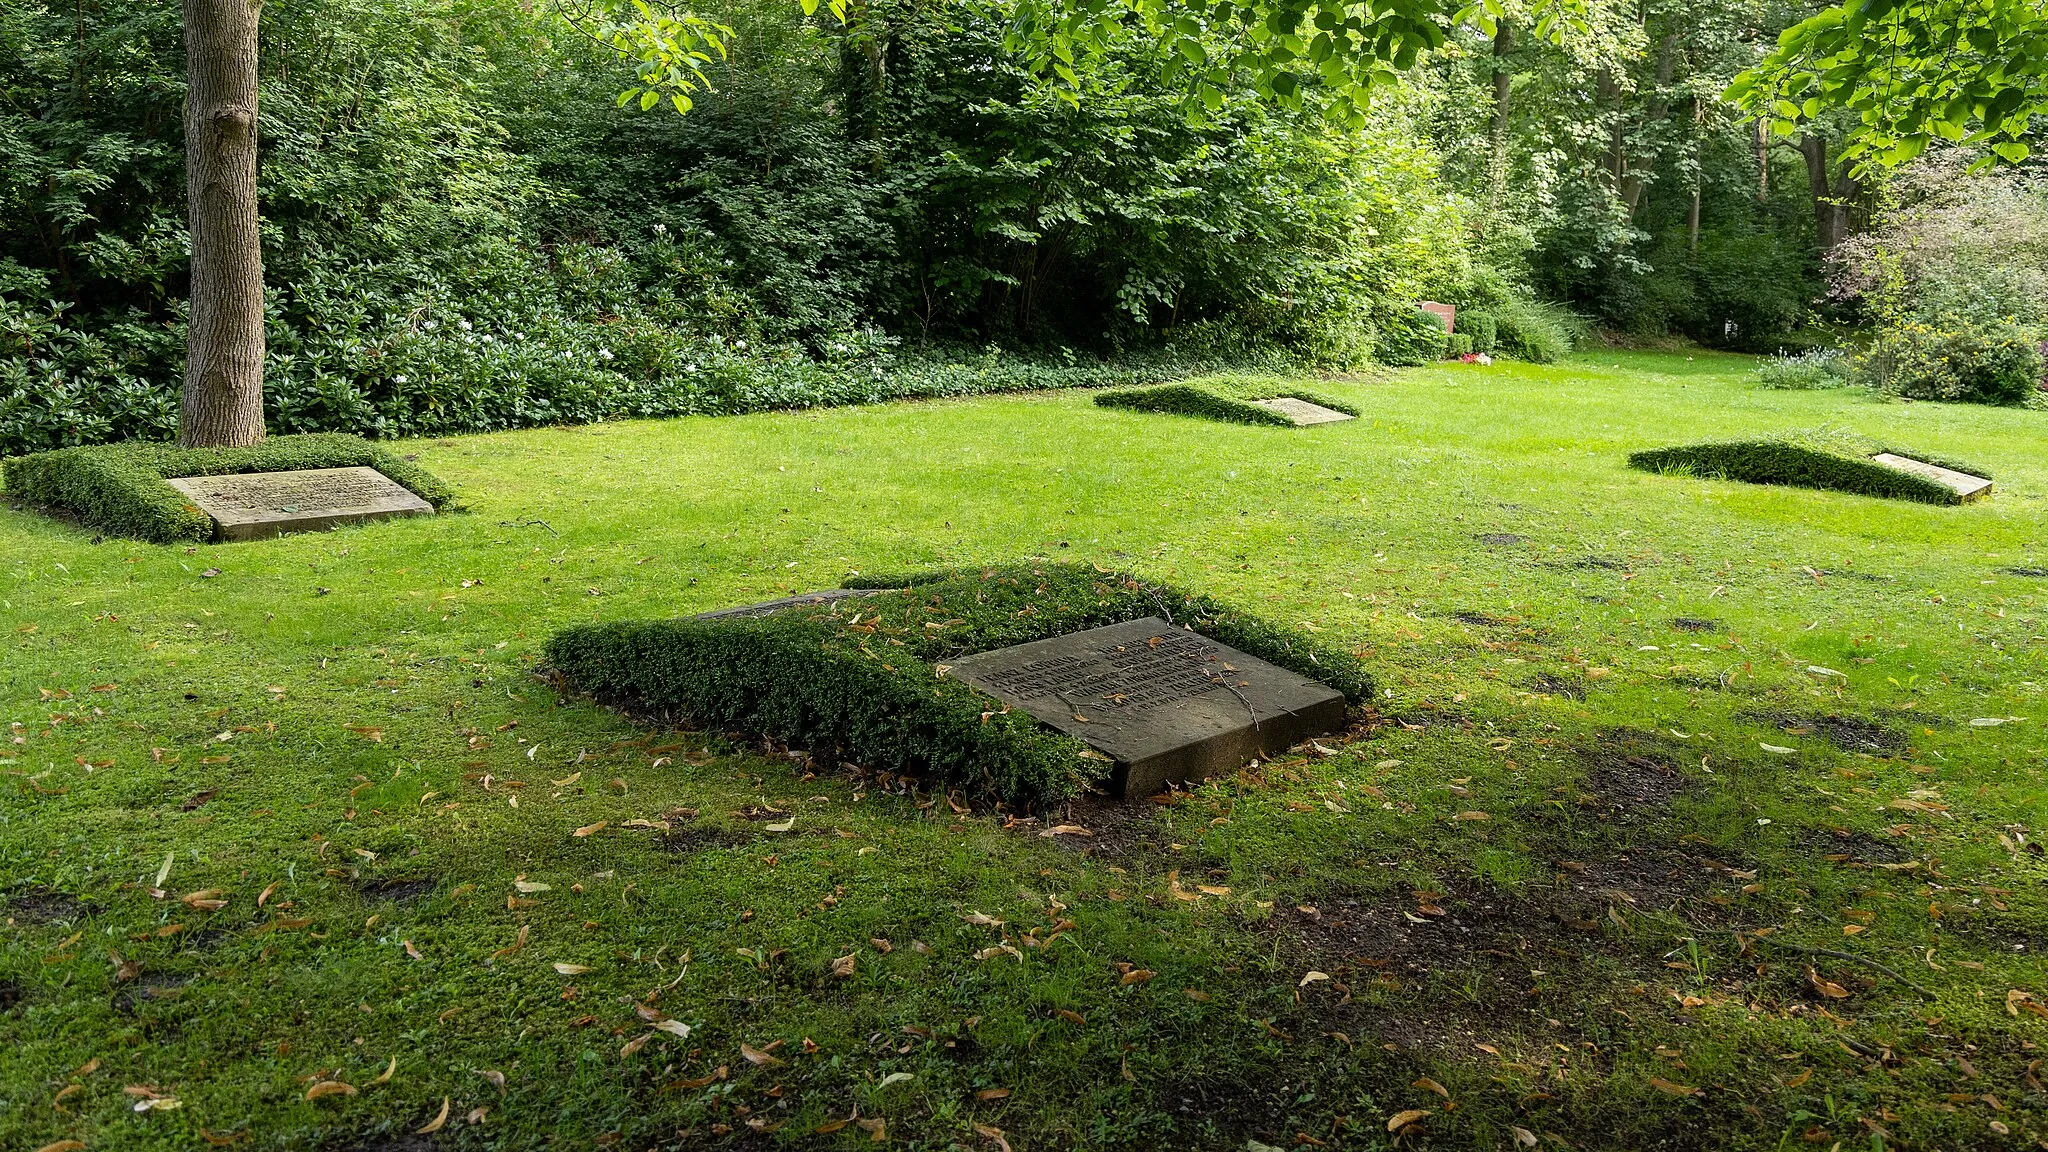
1692,814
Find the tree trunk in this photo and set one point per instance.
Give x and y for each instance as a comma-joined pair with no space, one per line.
223,399
1831,196
1503,86
1762,143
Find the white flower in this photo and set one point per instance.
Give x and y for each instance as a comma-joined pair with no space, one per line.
604,353
689,367
486,337
462,324
661,229
740,344
398,379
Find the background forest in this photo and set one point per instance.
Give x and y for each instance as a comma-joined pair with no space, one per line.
463,230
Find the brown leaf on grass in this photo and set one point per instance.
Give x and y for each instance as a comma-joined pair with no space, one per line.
1800,1079
994,1135
435,1124
1198,997
1136,976
756,1056
222,1139
205,900
997,950
496,1077
512,949
703,1081
1523,1137
373,735
1663,1085
831,1126
1825,987
843,966
412,951
1431,1085
590,829
635,1044
264,897
63,1146
876,1129
1475,815
384,1077
881,944
982,920
1405,1118
1071,1016
571,969
1064,830
993,1094
476,1115
326,1088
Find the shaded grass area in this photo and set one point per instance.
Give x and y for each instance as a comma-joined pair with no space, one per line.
1637,741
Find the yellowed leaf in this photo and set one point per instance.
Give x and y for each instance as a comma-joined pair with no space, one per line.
1064,830
1427,1084
384,1077
1405,1117
571,969
1663,1085
326,1088
756,1056
843,966
435,1124
590,829
1137,976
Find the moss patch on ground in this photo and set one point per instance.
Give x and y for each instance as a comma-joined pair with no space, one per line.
1538,874
119,489
1823,458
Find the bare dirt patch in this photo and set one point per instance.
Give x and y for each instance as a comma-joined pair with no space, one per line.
1478,619
1116,829
1631,775
1849,733
397,889
1694,624
10,995
1500,538
46,906
1841,846
2030,573
1549,685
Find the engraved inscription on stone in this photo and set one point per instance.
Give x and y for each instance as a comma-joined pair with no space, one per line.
1166,704
1302,412
256,505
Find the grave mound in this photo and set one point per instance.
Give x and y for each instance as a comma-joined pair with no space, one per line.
1233,399
1028,683
1823,458
162,493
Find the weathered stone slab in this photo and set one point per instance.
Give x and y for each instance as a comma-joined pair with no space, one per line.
1966,486
1301,411
1447,314
1168,705
259,505
771,607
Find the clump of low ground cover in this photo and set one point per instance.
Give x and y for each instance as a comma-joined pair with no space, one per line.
119,489
864,675
1225,397
1812,369
1818,458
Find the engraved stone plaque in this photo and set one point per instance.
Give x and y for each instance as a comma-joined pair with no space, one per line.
1168,705
1301,411
259,505
1966,486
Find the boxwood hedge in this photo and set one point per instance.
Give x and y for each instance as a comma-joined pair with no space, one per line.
1819,459
119,489
864,678
1227,398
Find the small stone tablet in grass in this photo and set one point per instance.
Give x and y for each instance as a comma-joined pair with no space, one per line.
1302,412
259,505
1967,487
771,607
1166,704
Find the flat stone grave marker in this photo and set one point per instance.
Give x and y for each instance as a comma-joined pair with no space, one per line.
1168,705
1966,486
771,607
1302,412
259,505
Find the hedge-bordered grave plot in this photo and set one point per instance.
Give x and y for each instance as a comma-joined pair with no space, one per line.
1824,458
1028,683
161,493
1233,399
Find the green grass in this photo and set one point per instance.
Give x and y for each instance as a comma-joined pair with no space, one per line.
335,711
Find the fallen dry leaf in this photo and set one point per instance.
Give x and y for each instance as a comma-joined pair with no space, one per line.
435,1124
1825,987
1475,815
995,1135
756,1056
1663,1085
571,969
1137,976
1311,978
635,1044
326,1088
1405,1117
993,1094
384,1077
1426,1083
1064,830
63,1146
590,829
843,966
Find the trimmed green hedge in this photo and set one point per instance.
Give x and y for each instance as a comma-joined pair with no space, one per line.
119,488
861,678
1827,459
1226,398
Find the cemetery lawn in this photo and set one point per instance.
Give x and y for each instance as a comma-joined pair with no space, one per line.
1692,814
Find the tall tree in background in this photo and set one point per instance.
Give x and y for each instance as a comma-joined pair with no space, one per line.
222,403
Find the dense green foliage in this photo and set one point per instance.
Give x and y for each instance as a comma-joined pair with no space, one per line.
119,488
1823,458
1227,398
861,678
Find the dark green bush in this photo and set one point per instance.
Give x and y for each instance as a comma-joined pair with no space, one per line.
1535,331
1482,328
1458,344
1823,459
1227,398
861,679
119,489
1950,357
1409,337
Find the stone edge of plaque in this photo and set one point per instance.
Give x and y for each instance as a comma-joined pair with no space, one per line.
771,607
402,501
1966,486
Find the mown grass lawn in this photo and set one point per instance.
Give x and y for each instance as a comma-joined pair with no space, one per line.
1562,885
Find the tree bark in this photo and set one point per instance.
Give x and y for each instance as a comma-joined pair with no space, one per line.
222,405
1503,92
1831,196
